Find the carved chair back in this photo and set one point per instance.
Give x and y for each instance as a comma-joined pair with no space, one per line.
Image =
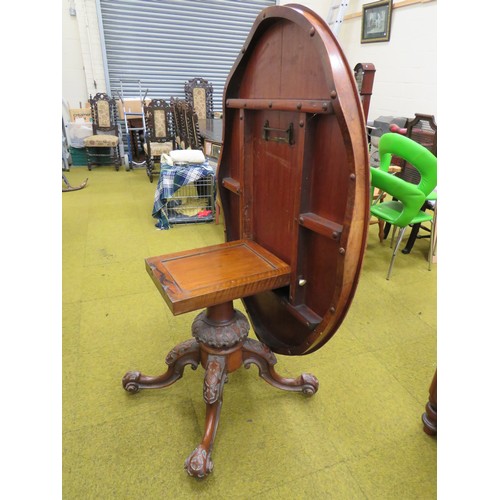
199,93
364,74
179,122
193,132
103,112
158,114
422,129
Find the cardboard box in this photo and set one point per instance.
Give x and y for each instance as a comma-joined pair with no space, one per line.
79,114
131,106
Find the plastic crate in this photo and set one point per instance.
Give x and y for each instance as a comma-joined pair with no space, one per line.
78,156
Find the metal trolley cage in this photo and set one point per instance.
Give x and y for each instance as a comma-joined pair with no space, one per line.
193,203
133,131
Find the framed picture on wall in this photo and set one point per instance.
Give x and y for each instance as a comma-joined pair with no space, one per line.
376,26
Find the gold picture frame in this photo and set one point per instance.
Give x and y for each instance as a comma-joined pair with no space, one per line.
376,25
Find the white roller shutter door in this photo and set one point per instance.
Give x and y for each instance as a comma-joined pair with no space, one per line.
165,43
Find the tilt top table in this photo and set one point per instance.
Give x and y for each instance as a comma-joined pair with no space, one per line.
293,180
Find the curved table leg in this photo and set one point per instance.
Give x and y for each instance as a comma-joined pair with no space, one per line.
199,463
429,418
259,354
186,353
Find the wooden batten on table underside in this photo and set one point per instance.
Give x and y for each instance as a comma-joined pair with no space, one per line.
304,105
309,220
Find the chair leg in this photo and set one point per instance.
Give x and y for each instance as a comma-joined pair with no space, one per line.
400,237
393,234
411,240
89,161
150,167
432,242
217,212
116,157
387,228
381,230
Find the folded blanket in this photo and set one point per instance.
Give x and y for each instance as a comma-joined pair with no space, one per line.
186,156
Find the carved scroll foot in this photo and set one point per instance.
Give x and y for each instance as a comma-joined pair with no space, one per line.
260,355
199,463
187,353
429,418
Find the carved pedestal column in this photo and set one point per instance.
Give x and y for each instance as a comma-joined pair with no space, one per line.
221,345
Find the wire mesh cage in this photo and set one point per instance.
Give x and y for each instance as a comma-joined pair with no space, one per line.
192,203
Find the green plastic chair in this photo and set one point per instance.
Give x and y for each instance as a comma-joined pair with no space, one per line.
410,197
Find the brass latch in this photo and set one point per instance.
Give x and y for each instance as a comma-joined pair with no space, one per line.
289,133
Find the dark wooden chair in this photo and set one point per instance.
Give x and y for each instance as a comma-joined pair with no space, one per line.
294,184
199,93
364,74
422,129
160,137
104,143
185,119
194,140
176,122
179,109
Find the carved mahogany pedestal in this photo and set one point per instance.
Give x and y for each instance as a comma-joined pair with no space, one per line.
221,345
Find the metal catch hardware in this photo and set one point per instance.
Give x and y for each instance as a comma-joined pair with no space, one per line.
289,133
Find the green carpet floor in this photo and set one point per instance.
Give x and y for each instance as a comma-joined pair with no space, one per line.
359,437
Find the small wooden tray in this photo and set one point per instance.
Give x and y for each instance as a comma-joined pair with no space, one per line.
204,277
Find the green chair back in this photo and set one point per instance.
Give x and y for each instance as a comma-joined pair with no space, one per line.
420,157
411,197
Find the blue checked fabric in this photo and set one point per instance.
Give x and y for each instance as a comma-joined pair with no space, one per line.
171,179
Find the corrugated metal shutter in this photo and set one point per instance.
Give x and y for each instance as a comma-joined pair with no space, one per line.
165,43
